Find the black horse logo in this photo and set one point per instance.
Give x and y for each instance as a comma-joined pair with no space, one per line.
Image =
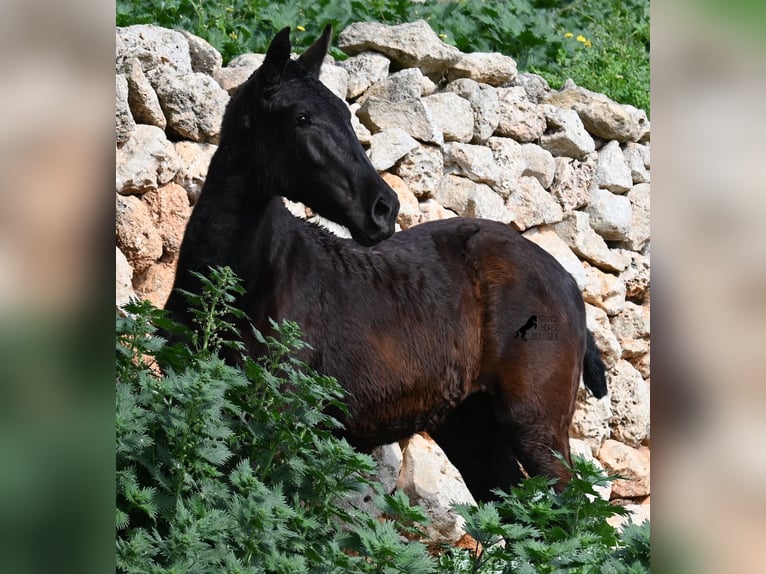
530,324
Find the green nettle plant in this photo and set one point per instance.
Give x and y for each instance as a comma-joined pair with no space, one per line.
240,469
602,45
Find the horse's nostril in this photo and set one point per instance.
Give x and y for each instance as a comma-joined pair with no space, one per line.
381,211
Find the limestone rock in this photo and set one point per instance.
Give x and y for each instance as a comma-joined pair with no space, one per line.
193,105
153,46
430,481
169,210
630,463
577,233
124,279
485,106
124,122
612,172
610,214
565,134
520,119
400,86
335,78
389,146
635,155
204,58
607,343
510,161
639,513
410,115
364,70
546,237
535,86
539,164
452,115
362,133
137,237
604,118
489,68
388,461
194,161
145,161
238,71
636,278
409,210
431,210
590,422
475,162
632,328
572,181
531,205
640,227
410,45
142,97
604,290
629,392
422,169
581,448
470,199
156,282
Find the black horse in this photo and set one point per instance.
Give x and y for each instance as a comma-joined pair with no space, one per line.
418,327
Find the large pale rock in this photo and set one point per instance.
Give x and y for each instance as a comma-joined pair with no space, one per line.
635,155
410,115
612,172
204,58
581,448
489,68
520,119
431,210
422,169
193,104
409,210
364,70
629,392
430,481
145,161
142,97
388,462
604,118
636,278
546,237
137,237
124,279
539,164
510,161
639,513
565,134
335,78
610,214
124,122
400,86
155,283
590,422
452,115
410,45
577,233
632,328
572,181
531,205
535,86
485,106
640,227
238,71
475,162
630,463
153,46
169,210
597,322
470,199
194,160
604,290
361,131
389,146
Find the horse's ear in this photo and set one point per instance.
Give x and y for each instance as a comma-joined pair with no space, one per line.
313,57
277,56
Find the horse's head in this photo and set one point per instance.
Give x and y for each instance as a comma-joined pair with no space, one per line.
300,133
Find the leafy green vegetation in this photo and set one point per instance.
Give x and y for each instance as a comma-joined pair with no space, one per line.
238,469
602,45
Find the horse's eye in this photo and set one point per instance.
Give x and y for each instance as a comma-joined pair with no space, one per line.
302,120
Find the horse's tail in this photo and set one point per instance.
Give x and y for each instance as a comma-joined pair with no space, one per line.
594,372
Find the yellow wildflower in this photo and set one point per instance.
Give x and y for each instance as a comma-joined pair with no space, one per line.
442,36
587,43
581,38
301,28
569,35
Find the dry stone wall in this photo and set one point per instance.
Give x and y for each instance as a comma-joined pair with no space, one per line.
454,135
